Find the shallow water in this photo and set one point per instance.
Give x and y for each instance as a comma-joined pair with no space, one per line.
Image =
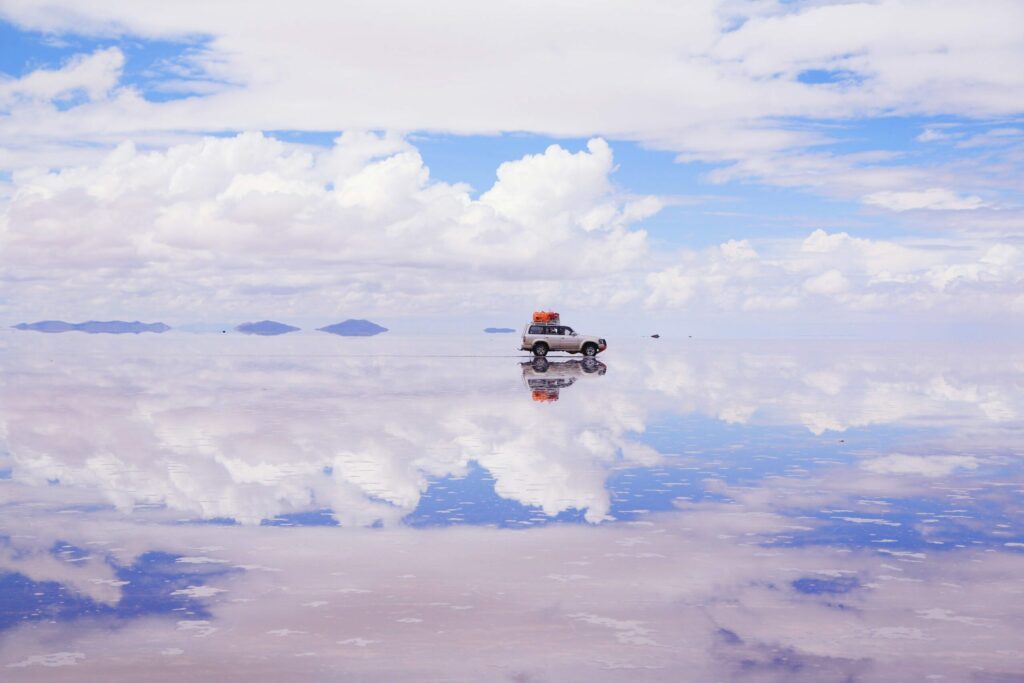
208,507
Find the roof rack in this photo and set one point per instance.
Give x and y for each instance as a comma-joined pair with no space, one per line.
546,317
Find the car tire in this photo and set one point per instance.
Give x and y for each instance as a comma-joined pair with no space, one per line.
540,349
590,350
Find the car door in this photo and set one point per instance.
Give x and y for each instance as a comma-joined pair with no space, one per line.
569,340
540,333
548,336
559,340
534,333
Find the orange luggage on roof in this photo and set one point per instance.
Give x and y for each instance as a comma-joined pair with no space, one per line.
545,317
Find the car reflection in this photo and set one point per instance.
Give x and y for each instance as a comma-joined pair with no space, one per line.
546,379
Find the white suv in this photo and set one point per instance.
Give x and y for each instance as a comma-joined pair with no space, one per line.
544,337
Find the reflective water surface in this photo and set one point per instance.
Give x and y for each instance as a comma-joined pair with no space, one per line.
207,507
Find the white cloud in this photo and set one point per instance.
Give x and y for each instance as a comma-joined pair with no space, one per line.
858,274
937,133
710,80
936,199
829,283
248,226
527,190
225,223
738,250
93,75
237,224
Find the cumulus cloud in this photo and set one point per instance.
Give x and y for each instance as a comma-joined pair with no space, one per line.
240,223
247,225
829,283
854,273
224,222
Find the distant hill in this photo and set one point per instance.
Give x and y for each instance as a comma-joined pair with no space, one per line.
94,327
355,328
498,330
265,328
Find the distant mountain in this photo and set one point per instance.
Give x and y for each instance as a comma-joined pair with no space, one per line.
94,327
498,330
47,326
265,328
355,328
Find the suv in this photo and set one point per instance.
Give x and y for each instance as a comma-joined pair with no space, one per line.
541,337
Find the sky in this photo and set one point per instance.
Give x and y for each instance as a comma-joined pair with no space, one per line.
712,167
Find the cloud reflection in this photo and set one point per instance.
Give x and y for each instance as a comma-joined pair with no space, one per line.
699,594
251,438
778,553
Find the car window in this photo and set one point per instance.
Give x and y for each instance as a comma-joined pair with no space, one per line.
536,329
568,330
557,330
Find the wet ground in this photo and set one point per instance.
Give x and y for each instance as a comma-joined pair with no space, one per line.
213,507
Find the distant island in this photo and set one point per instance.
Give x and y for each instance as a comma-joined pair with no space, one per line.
354,328
93,327
498,330
266,328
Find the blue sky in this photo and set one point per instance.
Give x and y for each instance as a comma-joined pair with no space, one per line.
473,159
398,157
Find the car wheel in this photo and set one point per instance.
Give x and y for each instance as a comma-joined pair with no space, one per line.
540,349
590,350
